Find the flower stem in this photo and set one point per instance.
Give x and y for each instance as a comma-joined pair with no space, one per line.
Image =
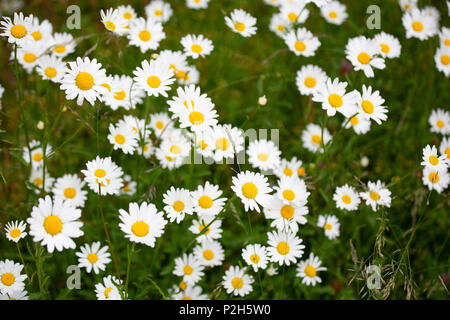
130,255
23,261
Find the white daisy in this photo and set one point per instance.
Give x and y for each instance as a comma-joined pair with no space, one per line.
127,12
37,154
190,75
93,257
190,292
196,46
206,200
290,168
241,22
158,10
178,204
123,93
173,151
18,29
15,295
279,24
284,247
370,104
255,255
285,216
408,5
291,190
436,179
37,179
114,21
307,270
444,148
29,54
11,279
363,53
129,186
62,44
154,77
123,138
312,137
334,97
444,37
145,34
440,121
419,24
15,230
189,267
51,68
388,45
108,290
238,283
225,142
432,160
197,4
176,62
377,195
346,198
70,189
442,60
334,12
209,253
213,230
302,42
104,173
359,123
294,11
330,224
263,154
310,78
253,189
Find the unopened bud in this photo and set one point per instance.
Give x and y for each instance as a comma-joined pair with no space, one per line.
262,100
40,125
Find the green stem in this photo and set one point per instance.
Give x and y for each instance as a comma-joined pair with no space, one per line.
130,255
23,262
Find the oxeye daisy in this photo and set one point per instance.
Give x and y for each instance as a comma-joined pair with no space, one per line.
196,46
363,53
147,149
193,109
160,122
294,11
83,80
346,198
310,78
377,195
15,295
285,216
407,5
307,270
330,224
129,186
279,24
312,137
18,29
213,229
291,190
197,4
139,127
436,179
28,55
62,44
442,60
107,289
444,37
37,179
359,123
419,24
433,13
70,189
302,42
93,257
432,160
154,77
334,12
206,200
190,292
51,68
263,154
253,189
440,121
127,12
114,21
334,97
37,154
145,34
226,142
209,253
238,283
123,93
11,279
123,138
284,247
15,230
189,267
178,204
173,151
176,62
104,173
241,22
388,45
291,168
142,223
190,75
158,11
444,148
370,104
255,255
54,223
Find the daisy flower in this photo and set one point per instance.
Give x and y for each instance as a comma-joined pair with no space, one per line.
238,283
291,190
15,230
255,255
143,223
213,232
70,189
114,21
145,34
154,77
123,138
226,142
442,60
334,12
432,160
160,122
363,53
209,253
436,179
54,223
190,75
197,4
147,149
279,24
330,224
190,292
388,45
129,186
334,97
29,54
51,68
159,11
359,123
241,22
444,148
419,24
37,179
108,290
290,168
104,173
123,93
62,44
377,195
18,29
127,12
370,104
178,203
284,247
10,278
302,42
176,62
83,80
307,270
346,198
285,216
15,295
408,5
312,137
294,11
206,200
196,46
440,121
253,189
444,37
190,268
263,154
37,154
174,151
309,79
93,257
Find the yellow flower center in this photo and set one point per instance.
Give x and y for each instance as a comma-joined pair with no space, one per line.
205,202
310,82
367,106
433,177
37,35
144,35
417,26
354,121
159,125
18,31
8,279
183,285
84,81
335,100
110,25
92,258
280,27
292,16
53,225
263,157
140,229
447,42
181,74
175,149
169,158
60,49
222,144
316,139
346,199
433,160
70,193
50,72
37,157
249,190
100,173
107,291
440,124
119,95
196,48
374,196
38,182
364,58
178,206
29,57
328,226
254,258
283,248
202,227
239,26
15,233
188,270
310,271
120,139
196,118
287,212
445,59
385,48
301,172
107,86
289,195
127,15
208,254
153,82
158,12
237,283
288,172
300,46
332,14
447,152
